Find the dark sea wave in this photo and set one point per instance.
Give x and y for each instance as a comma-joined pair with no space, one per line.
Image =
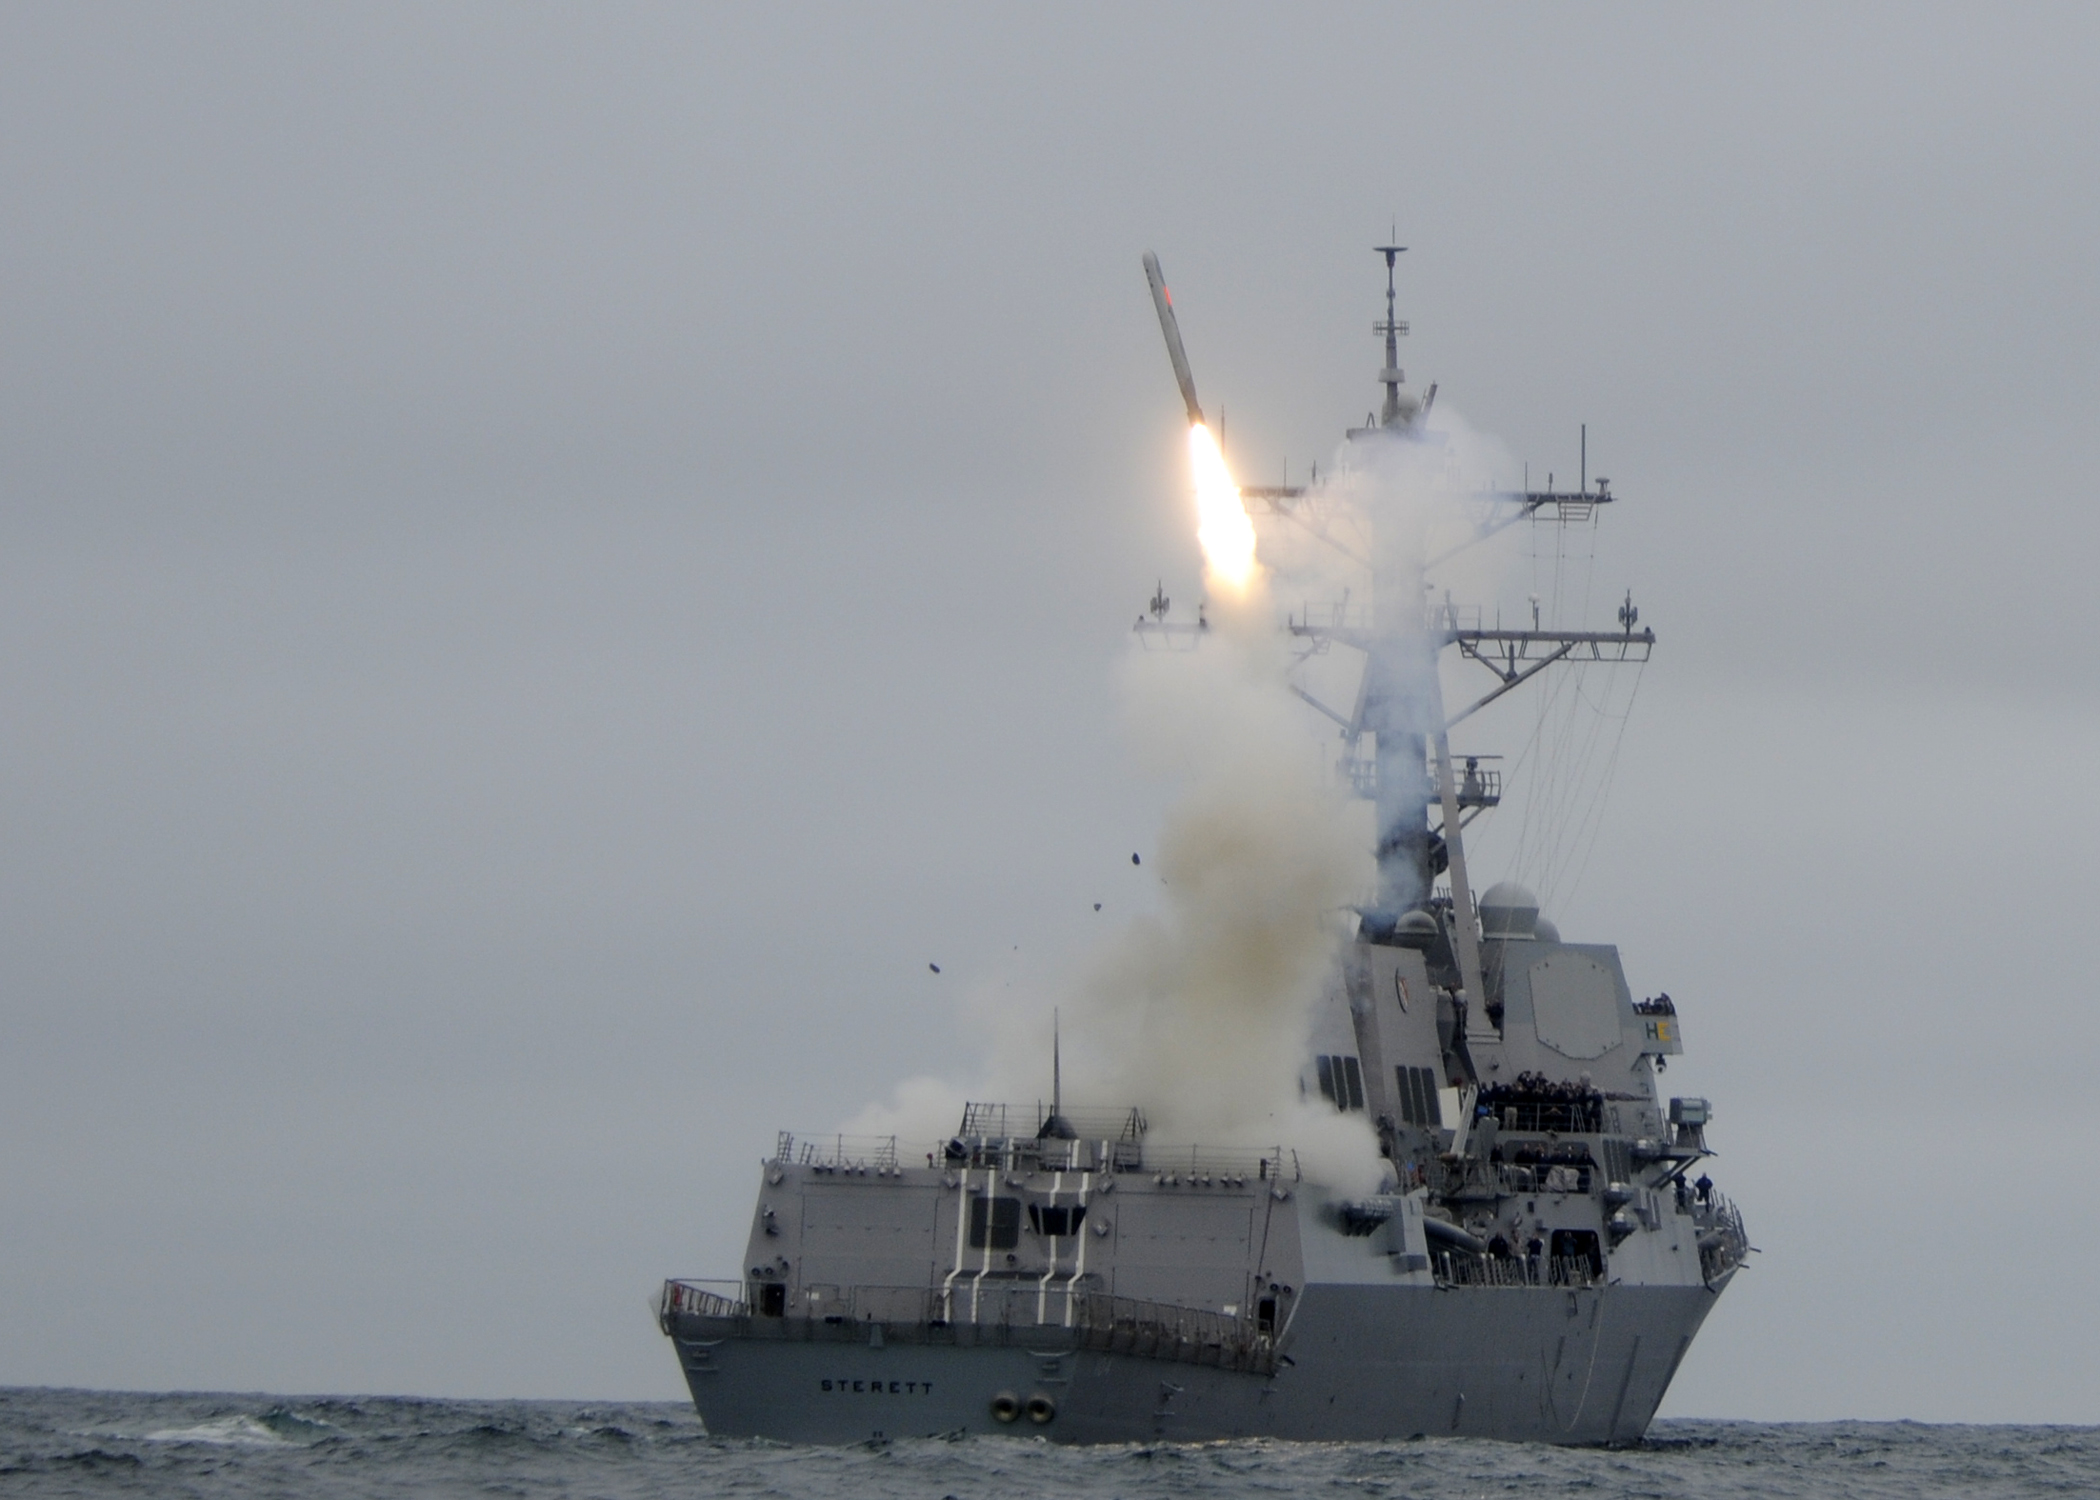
101,1443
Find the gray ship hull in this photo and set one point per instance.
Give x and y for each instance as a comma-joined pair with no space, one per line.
1585,1365
1535,1257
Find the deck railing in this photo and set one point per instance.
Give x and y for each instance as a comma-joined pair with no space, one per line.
1517,1271
694,1297
1160,1330
1009,1311
1555,1116
1472,1180
1007,1137
993,1119
1723,1243
840,1153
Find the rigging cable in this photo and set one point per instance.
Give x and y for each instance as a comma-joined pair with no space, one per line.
1611,769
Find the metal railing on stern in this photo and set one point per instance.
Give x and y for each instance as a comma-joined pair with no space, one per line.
859,1154
1723,1242
694,1298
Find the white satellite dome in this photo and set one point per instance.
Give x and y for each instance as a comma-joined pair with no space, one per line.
1508,910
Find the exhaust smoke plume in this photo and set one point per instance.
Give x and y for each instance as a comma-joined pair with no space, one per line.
1201,1013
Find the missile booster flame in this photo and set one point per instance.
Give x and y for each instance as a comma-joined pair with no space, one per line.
1222,525
1221,520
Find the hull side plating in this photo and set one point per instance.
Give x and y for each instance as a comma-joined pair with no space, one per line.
1542,1364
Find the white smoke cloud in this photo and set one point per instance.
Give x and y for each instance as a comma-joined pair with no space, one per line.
1412,502
1201,1013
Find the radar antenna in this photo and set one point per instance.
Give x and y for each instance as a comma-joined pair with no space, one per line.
1392,377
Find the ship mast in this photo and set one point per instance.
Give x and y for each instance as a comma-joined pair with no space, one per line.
1392,377
1397,748
1401,705
1421,806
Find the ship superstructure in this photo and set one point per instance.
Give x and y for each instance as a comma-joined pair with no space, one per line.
1536,1266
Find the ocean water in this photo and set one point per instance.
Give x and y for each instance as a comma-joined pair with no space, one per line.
55,1442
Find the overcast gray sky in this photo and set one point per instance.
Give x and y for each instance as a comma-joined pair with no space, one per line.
552,558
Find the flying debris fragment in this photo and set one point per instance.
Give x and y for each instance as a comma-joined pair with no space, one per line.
1133,859
935,967
1097,906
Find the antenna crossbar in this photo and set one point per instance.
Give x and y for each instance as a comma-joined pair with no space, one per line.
1560,505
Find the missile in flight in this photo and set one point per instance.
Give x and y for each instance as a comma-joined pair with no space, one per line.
1168,326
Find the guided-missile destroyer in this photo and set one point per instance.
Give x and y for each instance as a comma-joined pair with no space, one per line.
1535,1266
